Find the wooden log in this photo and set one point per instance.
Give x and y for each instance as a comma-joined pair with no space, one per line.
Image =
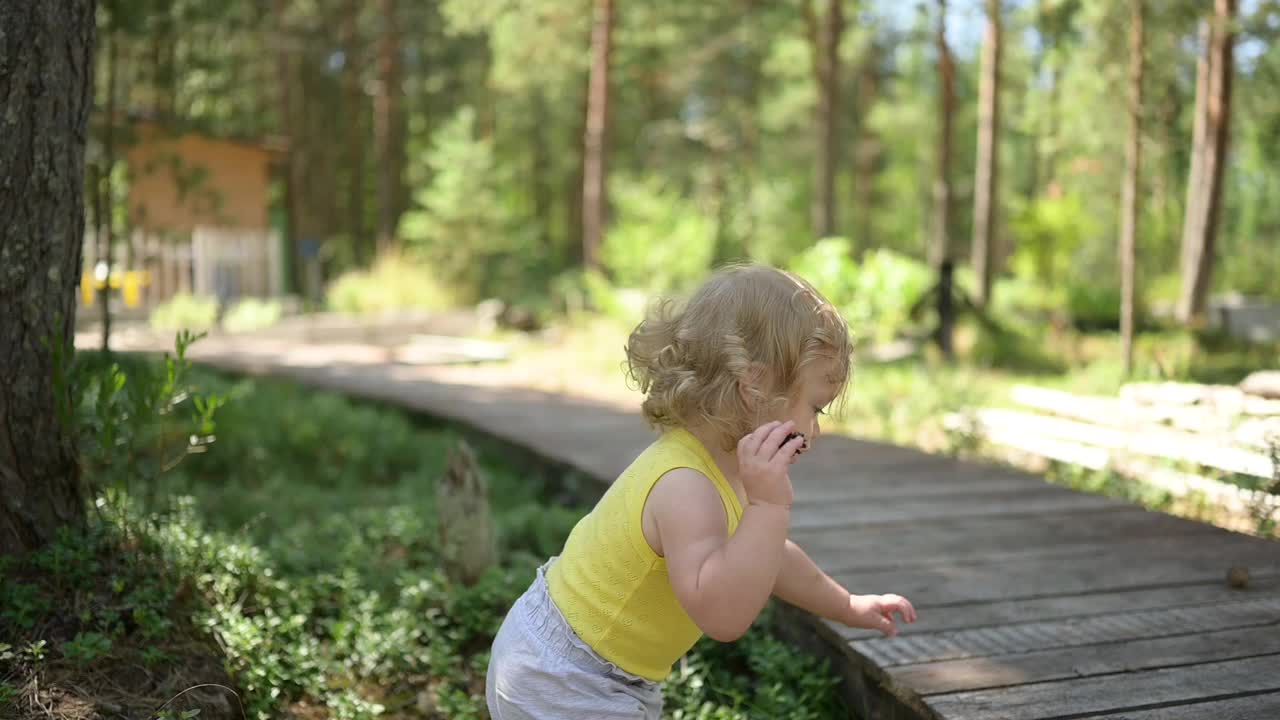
1265,383
1077,452
1241,424
1154,442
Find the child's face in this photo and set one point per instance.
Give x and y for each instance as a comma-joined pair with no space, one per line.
814,392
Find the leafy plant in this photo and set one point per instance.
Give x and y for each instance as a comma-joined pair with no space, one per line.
8,695
875,295
185,312
252,314
463,224
86,647
137,420
395,282
660,241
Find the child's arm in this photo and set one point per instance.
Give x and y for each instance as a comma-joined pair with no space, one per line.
723,582
803,584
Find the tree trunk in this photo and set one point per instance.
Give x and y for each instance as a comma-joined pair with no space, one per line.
1204,187
753,39
573,187
47,54
292,168
102,211
940,248
825,41
388,129
868,155
540,170
1129,201
595,143
354,102
985,182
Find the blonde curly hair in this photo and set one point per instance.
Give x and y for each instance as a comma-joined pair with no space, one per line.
748,327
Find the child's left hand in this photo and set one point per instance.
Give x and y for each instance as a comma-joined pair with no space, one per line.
875,612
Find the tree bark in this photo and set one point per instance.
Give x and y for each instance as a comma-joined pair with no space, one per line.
46,49
292,168
1129,201
940,248
354,102
595,142
985,182
388,129
540,169
1209,149
102,211
825,40
868,154
753,39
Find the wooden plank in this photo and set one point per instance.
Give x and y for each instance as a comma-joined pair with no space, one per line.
1152,441
920,510
986,613
1111,693
1264,706
1120,655
1033,577
838,455
895,552
998,530
1223,495
994,534
1070,632
852,490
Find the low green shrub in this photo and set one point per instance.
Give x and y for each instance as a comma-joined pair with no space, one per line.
395,282
251,314
185,312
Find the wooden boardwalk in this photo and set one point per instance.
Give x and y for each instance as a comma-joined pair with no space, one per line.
1035,602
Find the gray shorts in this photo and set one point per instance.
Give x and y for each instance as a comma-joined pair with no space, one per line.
541,670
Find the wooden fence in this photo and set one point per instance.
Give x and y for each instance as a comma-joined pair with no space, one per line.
227,264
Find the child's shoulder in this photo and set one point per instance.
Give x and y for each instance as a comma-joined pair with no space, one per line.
673,448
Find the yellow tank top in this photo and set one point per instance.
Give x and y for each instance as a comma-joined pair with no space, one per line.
612,587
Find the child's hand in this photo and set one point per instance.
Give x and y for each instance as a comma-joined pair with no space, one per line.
875,612
763,458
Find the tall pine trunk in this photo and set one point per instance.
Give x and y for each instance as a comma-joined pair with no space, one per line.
573,182
540,170
749,162
388,128
940,247
825,36
354,104
595,142
292,168
46,49
1208,158
868,153
1132,172
103,228
985,180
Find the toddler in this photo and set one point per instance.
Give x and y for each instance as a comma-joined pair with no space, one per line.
691,539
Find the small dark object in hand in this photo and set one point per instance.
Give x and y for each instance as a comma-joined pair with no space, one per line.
791,436
1238,576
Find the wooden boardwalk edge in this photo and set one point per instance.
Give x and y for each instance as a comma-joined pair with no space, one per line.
867,690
